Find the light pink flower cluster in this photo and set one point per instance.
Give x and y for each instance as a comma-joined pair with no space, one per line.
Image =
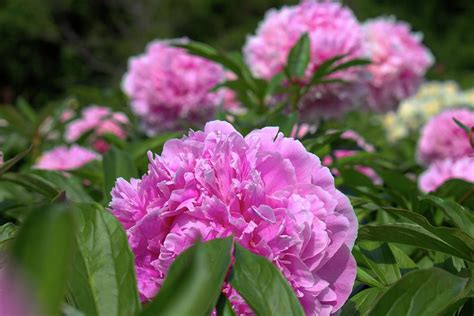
266,190
445,148
343,153
98,120
447,169
399,62
63,158
399,59
169,88
442,138
333,30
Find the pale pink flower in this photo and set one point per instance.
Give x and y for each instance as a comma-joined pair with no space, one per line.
169,88
266,190
442,138
333,31
62,158
444,170
97,120
399,62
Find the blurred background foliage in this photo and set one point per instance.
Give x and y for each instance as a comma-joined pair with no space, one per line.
54,48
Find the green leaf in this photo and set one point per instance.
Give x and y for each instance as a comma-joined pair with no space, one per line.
423,292
263,286
34,183
298,58
7,233
461,191
409,234
103,281
194,280
350,64
361,303
403,260
26,109
70,185
224,308
461,125
44,248
275,83
379,258
117,164
458,215
7,165
453,237
365,277
324,69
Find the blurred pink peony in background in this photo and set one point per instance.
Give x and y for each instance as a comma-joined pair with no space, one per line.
63,158
169,88
442,138
333,30
343,153
444,170
264,189
98,120
399,62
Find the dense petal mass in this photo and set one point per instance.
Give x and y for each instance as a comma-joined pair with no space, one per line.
442,138
399,62
264,189
63,158
168,87
333,31
444,170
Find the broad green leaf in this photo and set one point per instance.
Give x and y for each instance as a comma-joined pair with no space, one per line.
379,258
44,248
70,185
453,237
103,281
361,303
458,215
423,292
224,308
403,260
194,281
117,164
298,58
34,183
263,286
365,277
274,84
409,234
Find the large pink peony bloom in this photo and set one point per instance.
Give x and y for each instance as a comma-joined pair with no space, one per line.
399,62
442,138
264,189
63,158
98,120
169,88
333,30
444,170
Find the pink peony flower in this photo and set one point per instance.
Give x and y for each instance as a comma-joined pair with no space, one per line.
399,62
266,190
444,170
442,138
169,88
333,30
63,158
342,153
99,120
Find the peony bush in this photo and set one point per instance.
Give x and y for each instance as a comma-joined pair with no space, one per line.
315,173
